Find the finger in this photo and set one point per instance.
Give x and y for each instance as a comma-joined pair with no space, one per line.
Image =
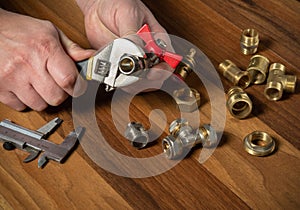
74,50
11,100
31,98
63,70
47,88
162,71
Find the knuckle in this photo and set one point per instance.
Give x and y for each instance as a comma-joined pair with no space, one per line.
68,81
58,100
12,64
46,41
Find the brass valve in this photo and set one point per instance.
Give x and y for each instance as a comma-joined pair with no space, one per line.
238,103
187,65
258,69
249,41
278,82
234,74
183,137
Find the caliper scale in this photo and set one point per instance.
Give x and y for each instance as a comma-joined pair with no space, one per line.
34,142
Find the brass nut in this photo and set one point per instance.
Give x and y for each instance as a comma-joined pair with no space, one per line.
249,41
187,65
278,82
188,99
258,69
238,103
259,143
234,74
137,135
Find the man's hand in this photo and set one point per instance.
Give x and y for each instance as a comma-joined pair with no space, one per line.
36,60
106,20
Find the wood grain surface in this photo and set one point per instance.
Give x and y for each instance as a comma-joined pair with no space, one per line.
230,178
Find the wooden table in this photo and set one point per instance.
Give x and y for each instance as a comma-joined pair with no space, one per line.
230,178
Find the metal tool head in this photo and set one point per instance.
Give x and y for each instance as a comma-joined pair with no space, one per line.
116,65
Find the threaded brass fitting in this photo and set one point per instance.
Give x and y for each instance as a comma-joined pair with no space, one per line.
258,69
278,82
187,65
234,74
183,138
259,143
238,103
249,41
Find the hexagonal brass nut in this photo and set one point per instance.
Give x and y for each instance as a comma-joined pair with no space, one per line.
188,99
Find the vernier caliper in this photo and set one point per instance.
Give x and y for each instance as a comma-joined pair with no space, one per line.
34,142
122,62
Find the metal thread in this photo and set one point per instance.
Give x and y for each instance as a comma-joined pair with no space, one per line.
249,41
238,103
231,72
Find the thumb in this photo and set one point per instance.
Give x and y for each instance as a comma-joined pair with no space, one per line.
74,50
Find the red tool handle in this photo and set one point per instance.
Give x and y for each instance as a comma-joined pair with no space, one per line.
170,58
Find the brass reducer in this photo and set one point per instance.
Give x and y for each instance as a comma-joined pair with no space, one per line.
238,103
187,99
183,138
278,82
234,74
187,65
259,143
258,69
249,41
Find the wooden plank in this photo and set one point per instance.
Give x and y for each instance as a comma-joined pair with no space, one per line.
230,178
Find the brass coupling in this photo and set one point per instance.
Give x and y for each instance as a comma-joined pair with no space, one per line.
187,65
258,69
183,137
235,75
249,41
238,103
137,135
259,143
278,82
187,99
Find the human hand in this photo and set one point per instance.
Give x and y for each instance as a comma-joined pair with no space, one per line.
36,60
106,20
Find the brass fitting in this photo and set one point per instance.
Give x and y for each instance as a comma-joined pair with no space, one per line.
137,135
258,69
238,103
259,143
249,41
278,82
183,138
234,74
188,99
187,65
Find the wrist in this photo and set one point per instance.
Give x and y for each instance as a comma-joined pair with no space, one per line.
85,5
